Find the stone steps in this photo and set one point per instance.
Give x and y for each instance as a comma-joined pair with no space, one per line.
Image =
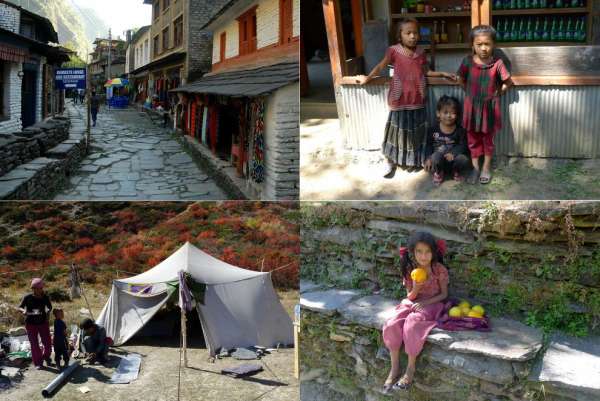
505,361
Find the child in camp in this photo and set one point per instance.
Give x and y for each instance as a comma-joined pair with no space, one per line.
60,343
484,77
416,315
446,148
406,126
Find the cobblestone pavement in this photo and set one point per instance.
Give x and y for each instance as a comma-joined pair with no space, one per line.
131,158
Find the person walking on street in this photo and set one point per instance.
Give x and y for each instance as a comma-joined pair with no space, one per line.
94,106
36,307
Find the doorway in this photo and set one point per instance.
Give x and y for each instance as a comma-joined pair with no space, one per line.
28,94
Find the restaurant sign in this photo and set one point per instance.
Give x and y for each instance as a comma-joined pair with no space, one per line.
69,78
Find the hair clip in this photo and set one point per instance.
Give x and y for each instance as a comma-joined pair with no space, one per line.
441,245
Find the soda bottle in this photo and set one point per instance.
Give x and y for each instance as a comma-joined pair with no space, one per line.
582,32
537,35
514,33
459,34
522,31
512,5
529,32
559,4
498,5
526,4
444,36
543,4
545,32
569,31
561,30
535,4
553,31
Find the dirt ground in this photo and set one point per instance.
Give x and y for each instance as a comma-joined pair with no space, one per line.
327,171
159,375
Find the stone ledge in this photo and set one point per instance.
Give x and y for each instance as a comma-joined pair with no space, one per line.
570,367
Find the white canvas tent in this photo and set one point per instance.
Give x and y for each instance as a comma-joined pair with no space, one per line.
240,307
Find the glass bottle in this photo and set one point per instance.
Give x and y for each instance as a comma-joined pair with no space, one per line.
545,32
436,33
582,32
559,4
512,5
537,34
569,31
420,6
529,31
506,31
498,5
514,33
535,4
561,30
522,31
553,31
444,34
459,35
543,4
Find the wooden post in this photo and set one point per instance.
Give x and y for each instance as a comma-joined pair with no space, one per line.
296,351
304,79
485,12
335,39
475,13
184,337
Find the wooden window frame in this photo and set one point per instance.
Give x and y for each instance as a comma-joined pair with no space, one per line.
222,46
178,33
165,39
247,32
286,21
156,10
156,45
166,4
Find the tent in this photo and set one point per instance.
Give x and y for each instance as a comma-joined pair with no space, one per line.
239,308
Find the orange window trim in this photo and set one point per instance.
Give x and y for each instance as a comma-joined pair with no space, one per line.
223,45
286,21
247,31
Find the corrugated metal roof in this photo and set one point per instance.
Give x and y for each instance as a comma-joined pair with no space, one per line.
251,82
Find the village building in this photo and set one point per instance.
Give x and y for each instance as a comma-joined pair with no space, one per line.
138,56
551,96
101,68
246,109
29,53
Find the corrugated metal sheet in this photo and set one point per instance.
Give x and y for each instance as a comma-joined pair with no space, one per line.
540,121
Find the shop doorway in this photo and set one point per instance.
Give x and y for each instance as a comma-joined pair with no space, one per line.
28,94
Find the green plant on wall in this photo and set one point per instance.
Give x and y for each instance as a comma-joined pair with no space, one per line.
555,314
514,295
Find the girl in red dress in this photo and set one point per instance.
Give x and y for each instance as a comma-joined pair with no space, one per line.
406,126
484,77
417,314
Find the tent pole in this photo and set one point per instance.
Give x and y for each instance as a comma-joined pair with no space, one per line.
184,336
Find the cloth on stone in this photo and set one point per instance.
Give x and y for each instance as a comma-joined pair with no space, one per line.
244,354
246,369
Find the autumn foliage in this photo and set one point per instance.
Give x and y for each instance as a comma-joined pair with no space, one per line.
102,237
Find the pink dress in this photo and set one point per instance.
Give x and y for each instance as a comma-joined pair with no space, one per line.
411,327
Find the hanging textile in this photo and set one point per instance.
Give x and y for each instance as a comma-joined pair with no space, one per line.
185,297
258,138
204,125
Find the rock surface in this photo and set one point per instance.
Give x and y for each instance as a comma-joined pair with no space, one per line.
327,302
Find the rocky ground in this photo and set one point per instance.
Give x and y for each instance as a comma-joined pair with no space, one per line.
159,374
328,171
132,158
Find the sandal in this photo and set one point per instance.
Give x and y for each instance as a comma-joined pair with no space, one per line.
485,177
391,172
473,177
388,386
402,384
457,177
438,178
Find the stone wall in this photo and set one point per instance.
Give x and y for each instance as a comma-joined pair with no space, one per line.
35,162
282,144
12,98
515,258
530,264
10,18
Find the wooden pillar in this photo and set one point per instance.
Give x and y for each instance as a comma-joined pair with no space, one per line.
357,23
335,39
481,12
475,13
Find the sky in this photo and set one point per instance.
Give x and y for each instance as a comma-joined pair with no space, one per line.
120,15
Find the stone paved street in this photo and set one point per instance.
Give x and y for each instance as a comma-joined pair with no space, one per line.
131,158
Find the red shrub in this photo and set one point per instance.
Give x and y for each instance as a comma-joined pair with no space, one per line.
8,251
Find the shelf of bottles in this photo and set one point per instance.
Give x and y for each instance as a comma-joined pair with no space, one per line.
540,22
446,22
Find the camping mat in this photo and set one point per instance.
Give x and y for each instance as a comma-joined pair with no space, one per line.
244,354
245,369
128,369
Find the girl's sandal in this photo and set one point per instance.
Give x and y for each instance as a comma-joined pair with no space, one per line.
438,178
473,177
388,385
402,384
390,173
485,177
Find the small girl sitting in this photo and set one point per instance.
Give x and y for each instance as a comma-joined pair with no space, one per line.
406,126
446,149
484,77
416,315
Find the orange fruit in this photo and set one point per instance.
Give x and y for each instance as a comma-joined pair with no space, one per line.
479,309
475,314
418,275
455,312
464,304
